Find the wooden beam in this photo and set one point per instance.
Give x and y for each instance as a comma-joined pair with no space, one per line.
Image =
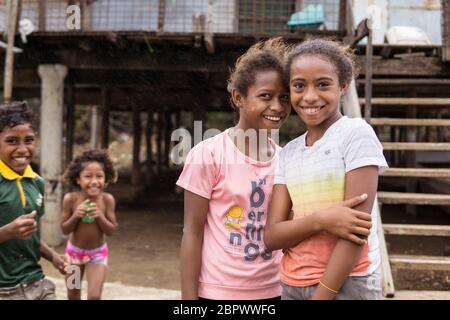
42,13
420,262
417,230
407,66
419,102
417,172
149,145
446,30
416,146
388,287
409,122
137,131
161,15
70,124
105,108
167,133
12,16
413,198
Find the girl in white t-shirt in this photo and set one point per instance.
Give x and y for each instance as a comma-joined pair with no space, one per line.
336,159
228,182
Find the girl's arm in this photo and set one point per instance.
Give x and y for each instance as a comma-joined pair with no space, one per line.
69,221
107,221
340,220
346,254
195,212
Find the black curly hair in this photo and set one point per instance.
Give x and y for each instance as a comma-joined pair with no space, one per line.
15,113
342,57
265,55
79,163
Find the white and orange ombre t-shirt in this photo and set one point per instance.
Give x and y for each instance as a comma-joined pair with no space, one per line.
235,261
315,178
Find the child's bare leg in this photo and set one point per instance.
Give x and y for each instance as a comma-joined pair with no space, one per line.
73,282
96,275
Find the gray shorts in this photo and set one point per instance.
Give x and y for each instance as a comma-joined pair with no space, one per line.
354,288
39,290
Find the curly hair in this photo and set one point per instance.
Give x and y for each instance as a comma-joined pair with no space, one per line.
15,113
79,163
265,55
338,54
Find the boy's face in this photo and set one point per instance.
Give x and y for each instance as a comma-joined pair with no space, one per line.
266,105
17,146
92,179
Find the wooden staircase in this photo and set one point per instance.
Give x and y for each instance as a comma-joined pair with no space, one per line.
400,123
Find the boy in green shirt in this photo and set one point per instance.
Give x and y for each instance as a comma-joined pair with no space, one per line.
21,209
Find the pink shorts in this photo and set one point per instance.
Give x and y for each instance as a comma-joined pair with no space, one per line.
83,256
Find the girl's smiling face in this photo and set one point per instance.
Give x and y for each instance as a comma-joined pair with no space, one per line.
315,90
17,146
266,104
92,179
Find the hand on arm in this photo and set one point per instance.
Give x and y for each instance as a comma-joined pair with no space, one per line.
21,228
346,254
340,220
195,212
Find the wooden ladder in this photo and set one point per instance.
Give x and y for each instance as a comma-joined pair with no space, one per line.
411,198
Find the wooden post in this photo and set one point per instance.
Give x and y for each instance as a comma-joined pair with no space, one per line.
161,14
94,127
105,118
368,83
42,9
167,133
342,24
13,6
446,30
388,287
148,141
137,132
159,143
85,15
70,124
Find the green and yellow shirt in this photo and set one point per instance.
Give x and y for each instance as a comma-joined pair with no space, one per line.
19,195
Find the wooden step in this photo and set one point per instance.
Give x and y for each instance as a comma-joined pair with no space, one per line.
416,146
417,172
420,295
409,122
414,198
406,82
417,102
417,230
412,262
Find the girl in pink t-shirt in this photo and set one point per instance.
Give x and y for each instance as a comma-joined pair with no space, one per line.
228,182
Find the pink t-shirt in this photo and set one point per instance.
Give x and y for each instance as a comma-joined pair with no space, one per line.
235,262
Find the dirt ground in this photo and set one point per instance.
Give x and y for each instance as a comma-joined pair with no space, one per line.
144,251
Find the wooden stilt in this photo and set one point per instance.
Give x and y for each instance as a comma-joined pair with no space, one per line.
149,145
70,124
159,143
137,131
105,118
167,133
9,59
